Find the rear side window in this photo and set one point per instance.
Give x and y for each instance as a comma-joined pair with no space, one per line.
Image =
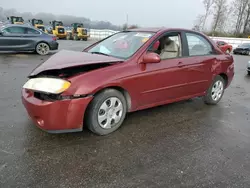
32,31
198,45
14,30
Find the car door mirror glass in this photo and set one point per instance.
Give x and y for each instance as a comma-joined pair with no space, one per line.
151,58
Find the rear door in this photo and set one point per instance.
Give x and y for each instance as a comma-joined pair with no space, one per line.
31,37
201,60
12,38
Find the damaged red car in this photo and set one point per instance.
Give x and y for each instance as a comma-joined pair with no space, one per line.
128,71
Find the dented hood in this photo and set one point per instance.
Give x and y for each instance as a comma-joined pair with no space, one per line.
67,58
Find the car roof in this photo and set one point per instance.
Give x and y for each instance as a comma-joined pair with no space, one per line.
18,25
160,29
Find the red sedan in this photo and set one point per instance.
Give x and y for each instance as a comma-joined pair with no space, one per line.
225,47
128,71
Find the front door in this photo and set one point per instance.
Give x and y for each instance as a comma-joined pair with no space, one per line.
12,38
164,81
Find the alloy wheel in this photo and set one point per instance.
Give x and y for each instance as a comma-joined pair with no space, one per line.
110,112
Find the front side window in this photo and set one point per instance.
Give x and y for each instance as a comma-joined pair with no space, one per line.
168,46
14,30
122,45
198,45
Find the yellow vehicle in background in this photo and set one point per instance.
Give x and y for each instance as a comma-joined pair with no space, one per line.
78,32
58,29
37,23
15,20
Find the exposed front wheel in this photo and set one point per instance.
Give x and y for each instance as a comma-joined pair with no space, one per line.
106,112
42,48
215,91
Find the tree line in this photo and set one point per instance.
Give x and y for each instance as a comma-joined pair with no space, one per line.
66,19
230,18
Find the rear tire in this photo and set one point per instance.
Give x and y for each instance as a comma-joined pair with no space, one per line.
215,91
42,48
106,112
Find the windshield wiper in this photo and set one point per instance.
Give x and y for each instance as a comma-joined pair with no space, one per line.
99,53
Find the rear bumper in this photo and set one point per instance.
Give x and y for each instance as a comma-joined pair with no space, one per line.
54,45
56,117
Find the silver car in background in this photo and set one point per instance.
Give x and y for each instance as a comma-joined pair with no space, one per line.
26,38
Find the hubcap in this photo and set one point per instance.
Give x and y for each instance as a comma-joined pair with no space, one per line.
217,90
110,113
42,48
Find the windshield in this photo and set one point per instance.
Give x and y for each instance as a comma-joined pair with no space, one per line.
17,19
244,45
122,45
38,22
58,23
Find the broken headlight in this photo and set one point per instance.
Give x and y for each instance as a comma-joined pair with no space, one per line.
47,85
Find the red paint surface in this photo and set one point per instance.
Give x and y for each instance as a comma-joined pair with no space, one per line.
225,47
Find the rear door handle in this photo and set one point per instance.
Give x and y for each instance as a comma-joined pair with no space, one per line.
180,64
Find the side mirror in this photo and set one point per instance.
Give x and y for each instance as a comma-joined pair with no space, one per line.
151,58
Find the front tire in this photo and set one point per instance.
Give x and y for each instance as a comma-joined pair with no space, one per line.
106,112
215,91
42,48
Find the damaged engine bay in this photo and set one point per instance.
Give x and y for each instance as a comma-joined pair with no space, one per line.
65,73
71,71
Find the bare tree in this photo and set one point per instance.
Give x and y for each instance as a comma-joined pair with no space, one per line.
220,14
208,5
247,16
239,11
199,22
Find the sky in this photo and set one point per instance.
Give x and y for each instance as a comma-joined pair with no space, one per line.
145,13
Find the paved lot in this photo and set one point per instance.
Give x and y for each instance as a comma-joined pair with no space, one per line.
186,144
